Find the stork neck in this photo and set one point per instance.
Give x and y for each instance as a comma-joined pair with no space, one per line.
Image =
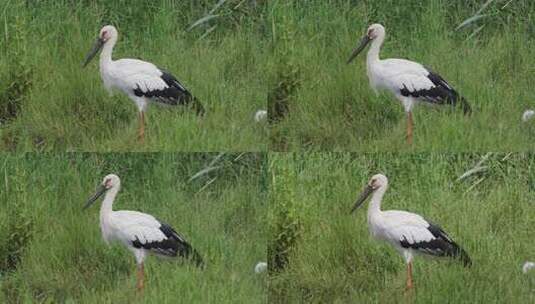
375,203
107,203
107,50
375,48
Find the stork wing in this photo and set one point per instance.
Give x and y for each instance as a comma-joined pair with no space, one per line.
143,79
133,226
145,231
412,79
413,231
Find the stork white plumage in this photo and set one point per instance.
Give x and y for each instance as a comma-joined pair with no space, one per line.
141,233
141,81
409,81
408,232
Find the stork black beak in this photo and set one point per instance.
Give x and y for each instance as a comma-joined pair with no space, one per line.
363,196
363,42
101,189
94,50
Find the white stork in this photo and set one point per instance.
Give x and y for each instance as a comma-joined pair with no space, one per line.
408,232
409,81
141,81
141,233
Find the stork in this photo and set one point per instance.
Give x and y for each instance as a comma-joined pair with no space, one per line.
141,233
141,81
409,81
407,232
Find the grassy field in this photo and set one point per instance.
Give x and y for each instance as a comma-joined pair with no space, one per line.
52,252
48,102
244,55
331,106
319,253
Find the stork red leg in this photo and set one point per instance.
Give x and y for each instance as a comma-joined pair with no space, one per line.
140,277
141,131
409,127
409,276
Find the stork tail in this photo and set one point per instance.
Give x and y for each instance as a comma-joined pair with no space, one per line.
196,258
467,109
197,106
462,256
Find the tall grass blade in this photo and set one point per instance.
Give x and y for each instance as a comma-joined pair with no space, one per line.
469,21
203,172
217,6
475,32
483,7
202,21
208,31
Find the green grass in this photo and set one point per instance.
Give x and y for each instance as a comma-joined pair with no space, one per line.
49,103
333,107
332,259
52,252
256,52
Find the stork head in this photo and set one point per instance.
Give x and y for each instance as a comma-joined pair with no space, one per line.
110,181
374,31
377,181
107,33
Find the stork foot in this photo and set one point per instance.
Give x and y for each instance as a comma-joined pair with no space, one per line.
140,289
409,139
141,136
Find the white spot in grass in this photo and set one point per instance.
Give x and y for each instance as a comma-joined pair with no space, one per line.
260,115
528,266
260,267
528,115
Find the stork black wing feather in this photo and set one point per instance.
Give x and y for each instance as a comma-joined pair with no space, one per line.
440,245
174,94
440,93
173,245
